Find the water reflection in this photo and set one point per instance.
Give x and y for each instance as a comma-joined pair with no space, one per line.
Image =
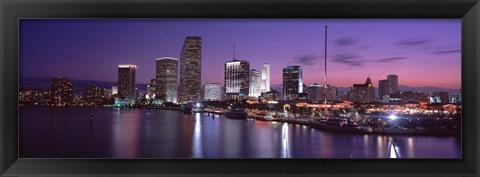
197,137
393,149
285,137
125,134
137,133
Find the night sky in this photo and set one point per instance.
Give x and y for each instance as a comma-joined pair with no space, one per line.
422,52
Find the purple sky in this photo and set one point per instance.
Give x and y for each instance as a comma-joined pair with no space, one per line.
422,52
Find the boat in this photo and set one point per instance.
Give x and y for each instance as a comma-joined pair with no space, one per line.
336,123
264,116
341,124
195,110
236,113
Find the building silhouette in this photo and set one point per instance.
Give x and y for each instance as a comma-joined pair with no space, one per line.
382,88
166,79
392,84
93,95
317,93
292,82
61,91
190,69
126,82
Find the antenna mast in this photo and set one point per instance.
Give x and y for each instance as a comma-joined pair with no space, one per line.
325,85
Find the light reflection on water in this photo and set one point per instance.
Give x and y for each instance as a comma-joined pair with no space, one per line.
141,133
197,137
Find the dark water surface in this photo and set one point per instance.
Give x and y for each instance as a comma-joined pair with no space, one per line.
141,133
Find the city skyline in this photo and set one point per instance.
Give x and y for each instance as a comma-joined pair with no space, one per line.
408,41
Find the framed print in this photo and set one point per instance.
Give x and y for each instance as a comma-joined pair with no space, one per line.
239,88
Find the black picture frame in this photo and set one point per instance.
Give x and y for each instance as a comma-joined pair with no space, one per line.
12,10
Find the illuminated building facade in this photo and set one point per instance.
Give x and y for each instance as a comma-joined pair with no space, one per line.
272,95
414,97
30,96
190,69
292,82
126,82
114,90
93,95
265,86
363,93
212,92
167,77
151,89
455,98
237,76
61,91
255,84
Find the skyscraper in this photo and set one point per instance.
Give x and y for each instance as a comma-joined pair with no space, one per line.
190,69
265,78
255,84
61,91
237,76
382,88
166,79
392,84
212,91
126,82
292,82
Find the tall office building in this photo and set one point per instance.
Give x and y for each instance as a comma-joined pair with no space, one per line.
364,93
265,78
292,82
61,91
126,82
382,88
212,92
237,76
190,69
392,84
166,79
255,84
